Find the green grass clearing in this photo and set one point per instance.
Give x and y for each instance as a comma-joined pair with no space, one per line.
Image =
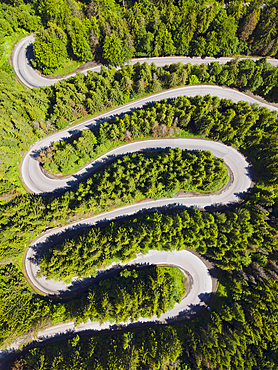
67,68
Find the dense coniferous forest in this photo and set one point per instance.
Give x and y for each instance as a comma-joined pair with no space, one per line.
224,237
160,174
240,331
128,296
44,110
81,95
106,189
26,216
116,31
250,128
150,349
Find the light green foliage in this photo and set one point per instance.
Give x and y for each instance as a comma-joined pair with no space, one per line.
26,216
15,21
50,48
150,349
225,32
20,310
20,111
163,43
224,237
69,157
59,12
153,175
156,28
116,51
146,292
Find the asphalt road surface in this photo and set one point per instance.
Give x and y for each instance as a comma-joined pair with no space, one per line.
30,78
38,183
240,182
195,270
35,181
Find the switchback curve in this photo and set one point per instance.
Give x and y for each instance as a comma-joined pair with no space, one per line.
238,165
30,78
185,260
236,162
38,183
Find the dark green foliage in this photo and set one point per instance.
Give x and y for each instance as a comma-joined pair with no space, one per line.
153,175
132,294
156,174
26,114
240,331
250,128
225,237
82,95
25,217
28,215
76,97
150,349
243,321
155,28
79,40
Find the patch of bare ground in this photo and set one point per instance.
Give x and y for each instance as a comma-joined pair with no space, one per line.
81,68
7,197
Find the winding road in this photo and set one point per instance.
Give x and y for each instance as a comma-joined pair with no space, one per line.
37,182
28,76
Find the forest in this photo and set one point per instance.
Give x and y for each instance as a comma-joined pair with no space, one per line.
72,32
246,255
156,174
82,95
132,294
225,237
249,128
147,349
240,331
28,215
252,130
28,115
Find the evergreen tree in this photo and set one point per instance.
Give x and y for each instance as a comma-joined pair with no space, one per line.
50,48
79,41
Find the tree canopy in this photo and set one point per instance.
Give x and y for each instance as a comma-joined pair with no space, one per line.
117,31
